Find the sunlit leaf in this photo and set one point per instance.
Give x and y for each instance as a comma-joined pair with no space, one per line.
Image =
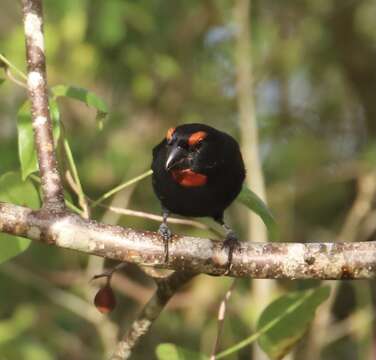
168,351
248,198
16,191
283,323
292,314
88,97
26,146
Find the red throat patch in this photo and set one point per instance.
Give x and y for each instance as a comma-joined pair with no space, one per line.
189,178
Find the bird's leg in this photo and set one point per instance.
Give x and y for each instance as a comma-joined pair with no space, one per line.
231,242
165,232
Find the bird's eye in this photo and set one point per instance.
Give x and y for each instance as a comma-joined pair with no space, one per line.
197,145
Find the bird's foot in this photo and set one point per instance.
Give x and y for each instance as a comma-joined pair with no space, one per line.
231,243
166,234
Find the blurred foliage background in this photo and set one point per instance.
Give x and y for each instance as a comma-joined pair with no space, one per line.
162,63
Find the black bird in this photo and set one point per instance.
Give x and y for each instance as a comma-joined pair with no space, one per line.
197,171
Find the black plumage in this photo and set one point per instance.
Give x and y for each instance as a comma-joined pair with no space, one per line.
197,171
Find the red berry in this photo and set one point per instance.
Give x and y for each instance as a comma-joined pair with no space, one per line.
105,300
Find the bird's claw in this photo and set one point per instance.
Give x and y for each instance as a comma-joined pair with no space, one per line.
166,234
231,243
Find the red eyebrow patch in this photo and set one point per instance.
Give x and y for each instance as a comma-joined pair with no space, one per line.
170,132
197,137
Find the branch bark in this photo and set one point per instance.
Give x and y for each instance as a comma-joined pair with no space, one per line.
166,288
197,255
52,189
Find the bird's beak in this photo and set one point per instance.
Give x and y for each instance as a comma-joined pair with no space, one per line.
174,156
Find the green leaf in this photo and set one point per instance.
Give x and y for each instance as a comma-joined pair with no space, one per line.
292,314
283,322
85,96
14,190
22,319
2,81
168,351
248,198
26,146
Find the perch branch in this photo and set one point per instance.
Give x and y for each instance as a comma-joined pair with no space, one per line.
53,197
355,260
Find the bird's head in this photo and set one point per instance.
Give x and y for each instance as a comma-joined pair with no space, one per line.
192,153
190,147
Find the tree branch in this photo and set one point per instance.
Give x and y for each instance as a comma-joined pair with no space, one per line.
256,260
166,289
53,197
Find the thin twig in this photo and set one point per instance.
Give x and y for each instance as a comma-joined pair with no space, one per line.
52,189
355,323
155,217
73,207
122,283
13,67
165,290
77,187
10,76
361,207
121,187
72,184
84,210
69,205
109,272
221,317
